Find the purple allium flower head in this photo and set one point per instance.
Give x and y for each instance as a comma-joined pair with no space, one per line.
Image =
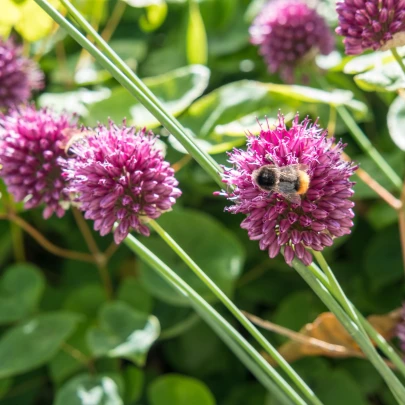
289,32
120,176
19,76
375,24
31,143
324,211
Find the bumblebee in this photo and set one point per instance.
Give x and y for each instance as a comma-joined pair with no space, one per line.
72,137
291,181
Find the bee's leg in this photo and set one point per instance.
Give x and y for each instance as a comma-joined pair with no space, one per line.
271,160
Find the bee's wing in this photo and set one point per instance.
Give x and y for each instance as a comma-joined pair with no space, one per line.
292,197
300,166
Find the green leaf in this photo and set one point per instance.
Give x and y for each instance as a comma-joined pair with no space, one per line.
35,342
381,215
383,261
132,293
134,383
123,332
175,389
337,387
86,300
154,17
197,49
73,101
176,90
89,390
389,77
235,105
212,247
21,288
396,122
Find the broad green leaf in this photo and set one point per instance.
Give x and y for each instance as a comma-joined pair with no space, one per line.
74,101
154,17
381,215
197,51
87,389
86,300
131,292
34,342
396,122
134,384
175,389
21,288
5,385
389,77
176,90
123,332
219,254
33,22
337,387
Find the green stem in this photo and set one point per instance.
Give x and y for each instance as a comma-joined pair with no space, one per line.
362,340
309,394
368,148
18,242
382,344
128,79
398,58
204,308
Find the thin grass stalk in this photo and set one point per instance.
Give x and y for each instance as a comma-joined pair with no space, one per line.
381,342
362,340
205,161
267,372
285,366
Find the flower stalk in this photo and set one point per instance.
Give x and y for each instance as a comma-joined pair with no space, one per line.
255,333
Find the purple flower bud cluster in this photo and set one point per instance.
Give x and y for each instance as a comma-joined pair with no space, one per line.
325,211
289,33
119,176
30,146
371,24
19,76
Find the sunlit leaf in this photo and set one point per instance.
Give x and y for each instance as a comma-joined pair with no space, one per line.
174,389
196,36
176,90
396,122
154,17
87,389
123,332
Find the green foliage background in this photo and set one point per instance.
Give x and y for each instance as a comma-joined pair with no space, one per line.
62,342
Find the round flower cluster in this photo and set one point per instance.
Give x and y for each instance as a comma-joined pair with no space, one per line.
313,220
371,24
19,76
289,33
31,144
119,176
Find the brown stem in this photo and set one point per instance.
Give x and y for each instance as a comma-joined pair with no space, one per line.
99,257
377,187
45,243
114,20
401,218
111,250
181,163
79,356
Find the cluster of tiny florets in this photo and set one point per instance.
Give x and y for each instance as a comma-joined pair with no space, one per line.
289,33
31,144
120,176
325,211
19,76
371,24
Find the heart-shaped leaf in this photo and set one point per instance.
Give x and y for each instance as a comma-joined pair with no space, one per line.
21,288
123,332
